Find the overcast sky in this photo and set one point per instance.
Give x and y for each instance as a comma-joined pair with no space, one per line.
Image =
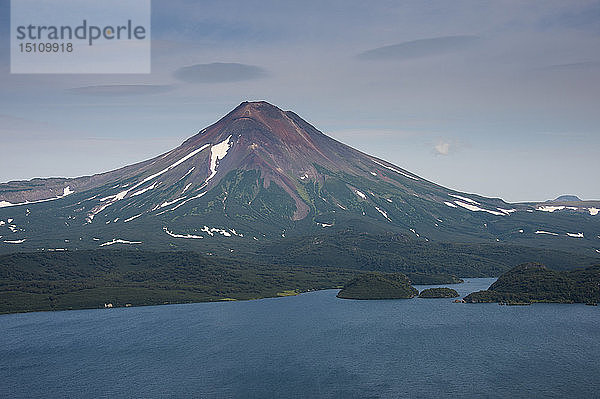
499,98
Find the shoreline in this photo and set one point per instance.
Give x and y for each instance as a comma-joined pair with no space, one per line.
278,295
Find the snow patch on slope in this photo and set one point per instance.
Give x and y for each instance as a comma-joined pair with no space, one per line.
465,199
119,241
66,191
395,170
15,241
142,191
132,218
186,188
187,174
550,208
507,211
167,203
212,230
114,198
181,235
218,152
188,200
165,170
478,209
546,232
384,213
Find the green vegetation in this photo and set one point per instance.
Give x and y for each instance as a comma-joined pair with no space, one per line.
288,293
533,282
378,286
393,252
92,279
433,279
438,293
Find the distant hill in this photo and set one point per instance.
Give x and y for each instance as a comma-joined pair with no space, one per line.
566,198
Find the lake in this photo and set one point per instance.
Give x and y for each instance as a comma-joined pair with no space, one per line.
311,345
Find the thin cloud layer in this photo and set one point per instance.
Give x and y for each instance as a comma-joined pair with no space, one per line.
120,90
442,148
575,66
419,48
219,72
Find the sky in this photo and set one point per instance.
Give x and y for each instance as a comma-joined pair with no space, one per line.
499,98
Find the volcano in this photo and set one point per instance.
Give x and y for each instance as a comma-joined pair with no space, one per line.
261,174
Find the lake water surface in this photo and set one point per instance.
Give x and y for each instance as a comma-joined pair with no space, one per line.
311,345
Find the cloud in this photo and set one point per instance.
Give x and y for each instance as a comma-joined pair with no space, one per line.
219,72
418,48
120,90
442,148
571,67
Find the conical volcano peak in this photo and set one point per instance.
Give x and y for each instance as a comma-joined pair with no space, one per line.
262,112
258,121
261,173
261,107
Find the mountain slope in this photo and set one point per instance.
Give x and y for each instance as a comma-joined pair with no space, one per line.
261,174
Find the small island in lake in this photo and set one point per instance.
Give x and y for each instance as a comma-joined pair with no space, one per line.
438,293
533,282
378,286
